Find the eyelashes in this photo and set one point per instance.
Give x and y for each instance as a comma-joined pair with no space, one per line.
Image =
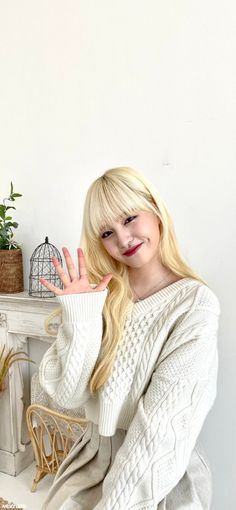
131,218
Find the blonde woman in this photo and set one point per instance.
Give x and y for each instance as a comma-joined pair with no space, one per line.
137,348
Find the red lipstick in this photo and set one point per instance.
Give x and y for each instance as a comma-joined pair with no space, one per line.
133,250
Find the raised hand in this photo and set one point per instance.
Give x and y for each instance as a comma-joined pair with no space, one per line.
73,282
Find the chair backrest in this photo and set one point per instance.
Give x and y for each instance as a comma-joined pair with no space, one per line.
52,435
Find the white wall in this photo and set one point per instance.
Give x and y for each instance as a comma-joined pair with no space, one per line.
86,85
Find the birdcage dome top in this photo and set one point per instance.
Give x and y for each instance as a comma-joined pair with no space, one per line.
46,250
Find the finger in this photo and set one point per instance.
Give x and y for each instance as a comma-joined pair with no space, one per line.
63,276
81,262
106,279
50,286
69,263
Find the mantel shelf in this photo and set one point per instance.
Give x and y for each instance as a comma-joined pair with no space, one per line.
24,296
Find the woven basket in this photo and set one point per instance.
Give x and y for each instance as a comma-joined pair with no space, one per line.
11,271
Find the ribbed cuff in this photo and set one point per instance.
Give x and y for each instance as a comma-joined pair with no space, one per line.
109,415
83,306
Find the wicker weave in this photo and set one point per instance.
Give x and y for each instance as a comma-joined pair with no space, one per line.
52,438
11,271
53,430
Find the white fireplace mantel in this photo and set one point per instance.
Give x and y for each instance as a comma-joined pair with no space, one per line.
22,326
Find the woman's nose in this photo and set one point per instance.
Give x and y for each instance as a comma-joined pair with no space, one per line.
124,239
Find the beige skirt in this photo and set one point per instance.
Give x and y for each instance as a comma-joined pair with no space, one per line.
78,482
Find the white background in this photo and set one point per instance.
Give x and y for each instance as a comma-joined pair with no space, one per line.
86,85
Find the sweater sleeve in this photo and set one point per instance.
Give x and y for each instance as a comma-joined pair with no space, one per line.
170,414
67,365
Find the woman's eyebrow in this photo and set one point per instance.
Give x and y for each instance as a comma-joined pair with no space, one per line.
107,226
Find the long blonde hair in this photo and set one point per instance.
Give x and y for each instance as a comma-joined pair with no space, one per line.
115,194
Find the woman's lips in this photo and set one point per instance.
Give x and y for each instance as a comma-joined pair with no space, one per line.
128,254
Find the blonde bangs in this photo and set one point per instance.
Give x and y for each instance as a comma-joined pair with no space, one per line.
109,201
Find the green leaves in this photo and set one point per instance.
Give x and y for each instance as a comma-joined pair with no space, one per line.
6,223
13,195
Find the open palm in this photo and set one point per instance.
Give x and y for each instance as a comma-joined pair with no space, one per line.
73,282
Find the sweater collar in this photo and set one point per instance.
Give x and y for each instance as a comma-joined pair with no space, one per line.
164,294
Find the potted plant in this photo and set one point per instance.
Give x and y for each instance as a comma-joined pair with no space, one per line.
11,264
6,362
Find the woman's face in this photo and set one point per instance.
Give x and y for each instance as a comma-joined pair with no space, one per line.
142,228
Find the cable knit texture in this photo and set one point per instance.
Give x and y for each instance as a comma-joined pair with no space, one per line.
161,388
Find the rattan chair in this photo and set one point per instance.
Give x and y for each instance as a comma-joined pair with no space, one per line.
52,429
52,435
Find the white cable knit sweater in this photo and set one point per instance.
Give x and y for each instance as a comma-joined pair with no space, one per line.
161,388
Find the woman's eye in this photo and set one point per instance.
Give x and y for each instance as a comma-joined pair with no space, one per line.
104,236
129,219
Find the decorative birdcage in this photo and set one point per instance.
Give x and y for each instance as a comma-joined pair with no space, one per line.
41,266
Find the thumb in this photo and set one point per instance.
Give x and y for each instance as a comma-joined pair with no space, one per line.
106,279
